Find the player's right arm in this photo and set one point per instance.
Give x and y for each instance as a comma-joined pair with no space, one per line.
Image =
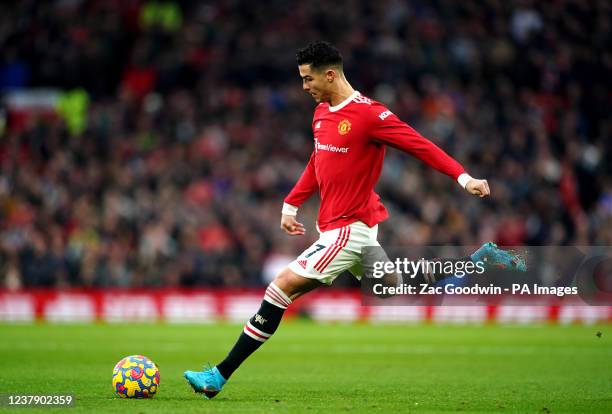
302,190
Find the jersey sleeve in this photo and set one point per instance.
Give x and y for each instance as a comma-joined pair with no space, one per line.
305,186
387,128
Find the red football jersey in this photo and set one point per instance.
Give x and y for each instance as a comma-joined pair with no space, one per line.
350,141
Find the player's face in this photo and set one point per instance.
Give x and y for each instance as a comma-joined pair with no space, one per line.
315,83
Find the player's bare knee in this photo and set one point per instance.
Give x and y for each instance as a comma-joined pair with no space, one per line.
294,285
286,282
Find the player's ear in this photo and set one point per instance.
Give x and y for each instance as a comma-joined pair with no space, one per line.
330,75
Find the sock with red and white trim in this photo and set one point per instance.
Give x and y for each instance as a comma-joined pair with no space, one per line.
257,330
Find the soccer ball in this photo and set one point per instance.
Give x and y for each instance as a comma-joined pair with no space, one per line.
135,376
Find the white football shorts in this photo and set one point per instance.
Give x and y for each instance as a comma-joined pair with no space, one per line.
336,251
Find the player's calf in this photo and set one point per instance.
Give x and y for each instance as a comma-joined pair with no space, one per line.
256,331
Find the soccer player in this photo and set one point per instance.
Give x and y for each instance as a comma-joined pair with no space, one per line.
351,132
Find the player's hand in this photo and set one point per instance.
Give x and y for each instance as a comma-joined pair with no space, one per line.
291,226
478,187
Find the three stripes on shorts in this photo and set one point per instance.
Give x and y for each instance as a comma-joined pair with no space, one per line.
333,250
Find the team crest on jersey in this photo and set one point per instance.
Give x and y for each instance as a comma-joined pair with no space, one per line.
344,127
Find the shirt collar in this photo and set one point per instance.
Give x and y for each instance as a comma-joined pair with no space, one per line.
344,103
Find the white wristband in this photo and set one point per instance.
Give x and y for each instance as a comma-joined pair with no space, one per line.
463,179
289,210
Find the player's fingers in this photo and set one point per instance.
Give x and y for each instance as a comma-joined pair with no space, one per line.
484,189
294,229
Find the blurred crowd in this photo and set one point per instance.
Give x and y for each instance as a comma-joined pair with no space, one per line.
195,127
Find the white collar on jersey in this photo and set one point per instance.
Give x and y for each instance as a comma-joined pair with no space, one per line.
344,103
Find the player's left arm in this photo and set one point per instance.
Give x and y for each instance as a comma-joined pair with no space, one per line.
387,128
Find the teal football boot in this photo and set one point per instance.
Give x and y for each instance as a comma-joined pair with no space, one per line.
208,382
495,258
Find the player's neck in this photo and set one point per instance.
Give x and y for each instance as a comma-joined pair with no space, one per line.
342,92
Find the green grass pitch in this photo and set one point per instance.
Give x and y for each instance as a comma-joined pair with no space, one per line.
313,368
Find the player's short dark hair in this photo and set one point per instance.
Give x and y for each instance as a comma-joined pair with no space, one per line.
319,55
